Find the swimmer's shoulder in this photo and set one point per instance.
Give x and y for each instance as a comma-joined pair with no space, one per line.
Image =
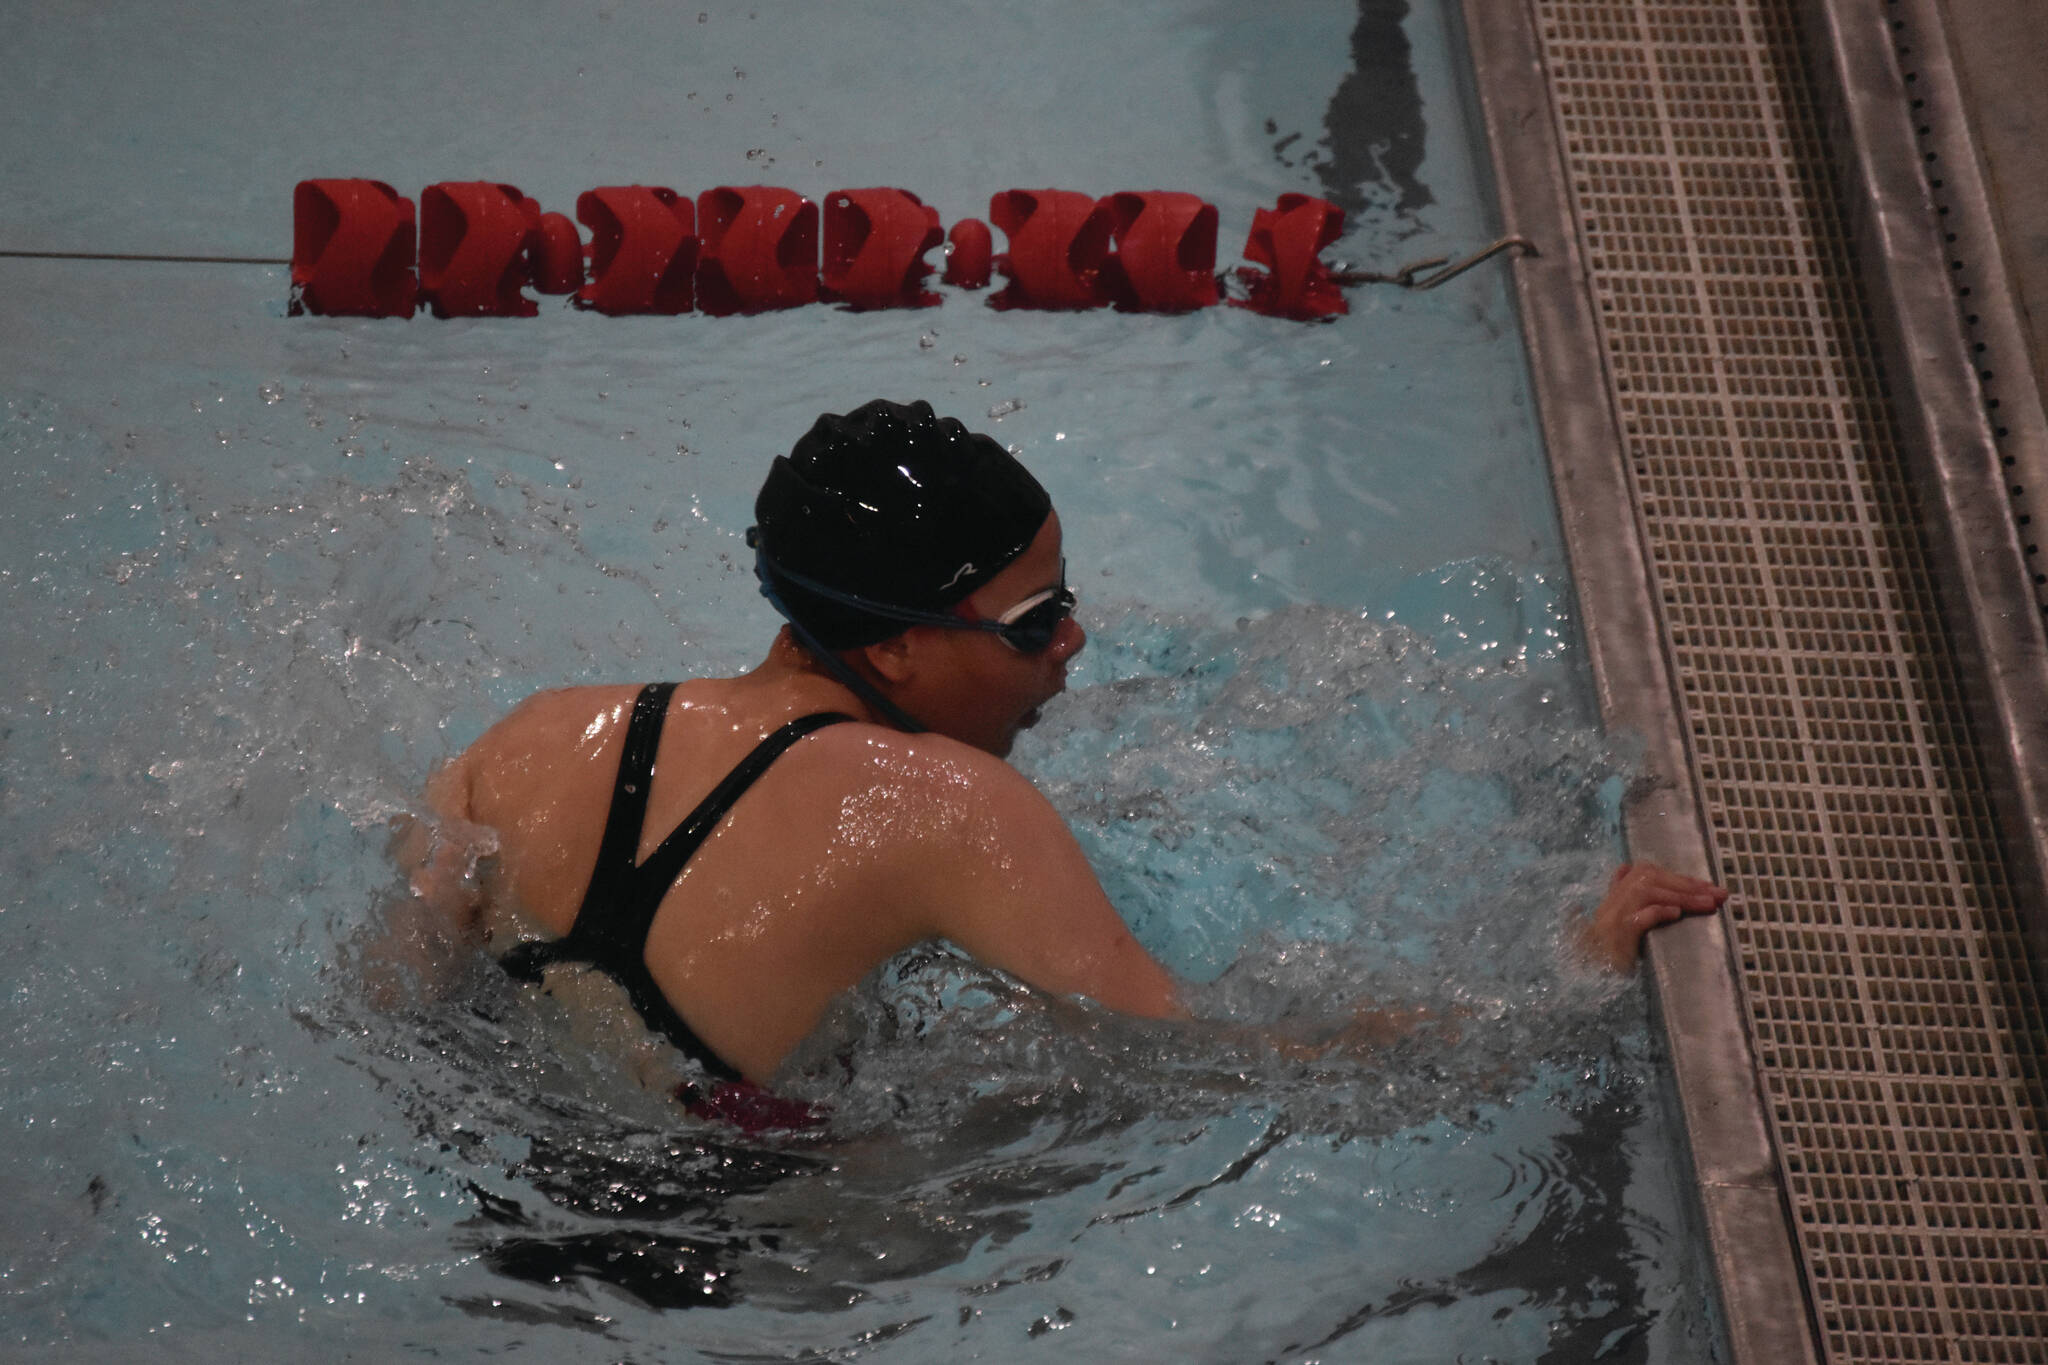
927,791
559,710
547,720
551,728
967,849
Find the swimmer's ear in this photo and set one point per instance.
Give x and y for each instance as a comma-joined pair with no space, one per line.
894,659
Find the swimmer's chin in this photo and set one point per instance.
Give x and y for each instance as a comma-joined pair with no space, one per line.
1024,722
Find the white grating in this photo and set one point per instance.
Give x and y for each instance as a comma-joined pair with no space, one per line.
1896,1022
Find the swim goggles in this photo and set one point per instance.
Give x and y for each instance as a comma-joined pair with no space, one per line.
1029,627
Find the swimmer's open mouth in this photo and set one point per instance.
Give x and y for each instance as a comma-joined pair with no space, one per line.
1031,717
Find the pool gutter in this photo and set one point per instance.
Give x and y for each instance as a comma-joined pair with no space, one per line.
1742,1200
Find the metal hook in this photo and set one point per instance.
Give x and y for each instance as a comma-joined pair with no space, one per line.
1405,276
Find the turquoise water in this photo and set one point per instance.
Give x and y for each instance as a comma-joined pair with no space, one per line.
1332,737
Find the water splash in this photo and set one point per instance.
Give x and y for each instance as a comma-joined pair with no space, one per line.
1296,811
1302,813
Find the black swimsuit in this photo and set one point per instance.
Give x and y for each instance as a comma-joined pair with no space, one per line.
610,932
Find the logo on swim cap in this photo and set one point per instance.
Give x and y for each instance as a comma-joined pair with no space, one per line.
960,573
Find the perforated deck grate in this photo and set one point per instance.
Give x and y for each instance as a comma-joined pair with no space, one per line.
1896,1023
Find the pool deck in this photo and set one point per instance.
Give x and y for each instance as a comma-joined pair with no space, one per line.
1786,320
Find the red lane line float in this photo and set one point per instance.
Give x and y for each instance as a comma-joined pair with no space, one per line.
643,250
1165,258
557,255
875,241
752,248
1059,240
970,253
352,249
759,250
476,247
1290,240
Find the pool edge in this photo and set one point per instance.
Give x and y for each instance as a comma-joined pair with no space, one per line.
1743,1205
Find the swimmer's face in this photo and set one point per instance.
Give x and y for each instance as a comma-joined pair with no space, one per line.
988,691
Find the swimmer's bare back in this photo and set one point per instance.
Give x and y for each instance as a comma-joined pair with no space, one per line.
856,843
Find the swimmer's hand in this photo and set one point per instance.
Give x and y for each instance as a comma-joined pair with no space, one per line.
417,940
1639,898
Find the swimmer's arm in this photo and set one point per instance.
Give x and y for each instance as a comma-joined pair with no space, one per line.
1036,910
1640,897
419,935
1017,894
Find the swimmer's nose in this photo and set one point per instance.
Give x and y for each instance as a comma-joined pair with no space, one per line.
1070,641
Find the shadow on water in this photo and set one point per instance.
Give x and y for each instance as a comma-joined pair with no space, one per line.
586,1189
674,1242
1374,127
1568,1253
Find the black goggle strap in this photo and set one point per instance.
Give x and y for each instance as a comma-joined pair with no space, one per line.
888,611
834,665
1060,601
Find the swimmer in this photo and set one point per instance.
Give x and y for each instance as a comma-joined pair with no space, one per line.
738,851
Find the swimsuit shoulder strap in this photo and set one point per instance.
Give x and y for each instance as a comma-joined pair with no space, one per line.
618,909
591,937
666,863
619,849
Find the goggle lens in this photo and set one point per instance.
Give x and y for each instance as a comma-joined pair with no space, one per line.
1031,626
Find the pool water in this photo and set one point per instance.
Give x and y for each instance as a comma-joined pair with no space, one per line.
1332,739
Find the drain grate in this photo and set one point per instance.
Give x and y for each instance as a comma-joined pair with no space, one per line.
1895,1020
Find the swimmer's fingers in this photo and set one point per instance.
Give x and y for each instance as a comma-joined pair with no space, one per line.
1641,897
1647,878
1650,916
1645,885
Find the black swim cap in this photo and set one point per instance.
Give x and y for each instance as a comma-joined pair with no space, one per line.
896,505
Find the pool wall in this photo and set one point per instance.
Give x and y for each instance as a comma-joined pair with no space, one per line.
1739,246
